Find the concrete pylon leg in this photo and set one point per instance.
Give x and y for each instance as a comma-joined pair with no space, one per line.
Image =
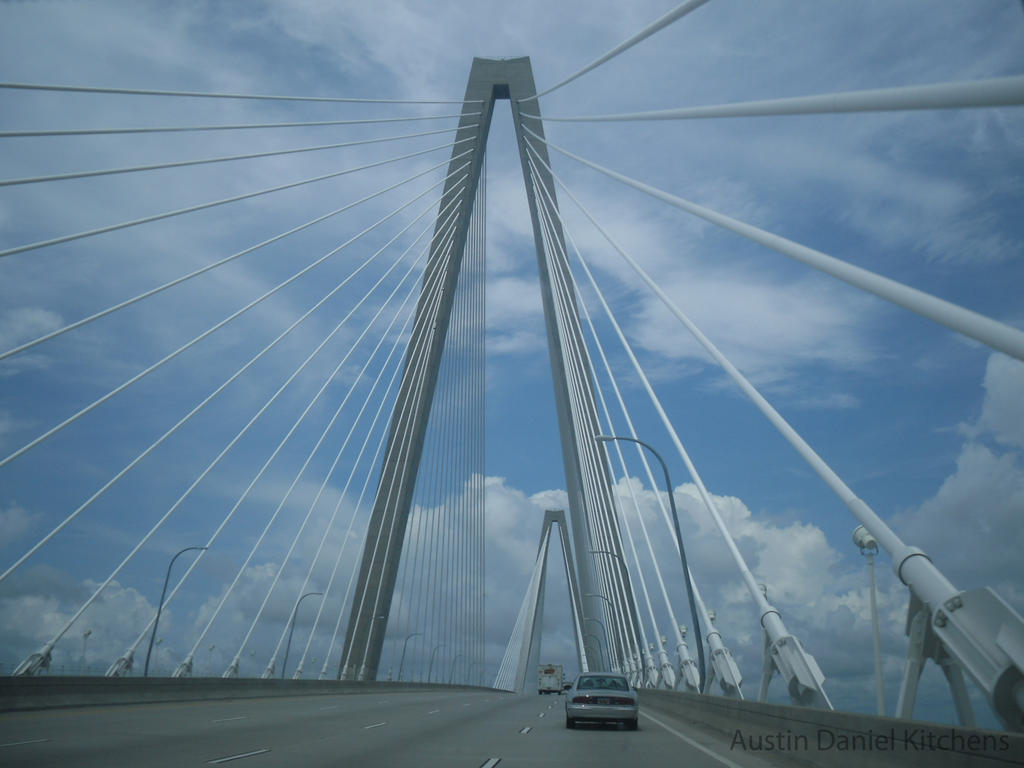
489,79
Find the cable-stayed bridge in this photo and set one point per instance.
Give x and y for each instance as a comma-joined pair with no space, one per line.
312,447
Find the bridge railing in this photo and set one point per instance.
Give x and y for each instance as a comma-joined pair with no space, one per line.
819,736
51,691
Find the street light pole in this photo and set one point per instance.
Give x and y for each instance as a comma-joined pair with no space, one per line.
607,638
430,667
600,651
85,639
451,674
152,635
869,548
404,646
679,541
295,612
638,628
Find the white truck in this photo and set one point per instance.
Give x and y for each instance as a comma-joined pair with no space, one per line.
549,678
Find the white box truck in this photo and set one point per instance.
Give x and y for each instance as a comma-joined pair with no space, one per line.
549,678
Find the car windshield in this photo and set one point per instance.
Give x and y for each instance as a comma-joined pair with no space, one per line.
606,683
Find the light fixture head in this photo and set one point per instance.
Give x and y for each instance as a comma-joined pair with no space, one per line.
864,540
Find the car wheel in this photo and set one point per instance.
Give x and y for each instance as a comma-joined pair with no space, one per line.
632,725
569,722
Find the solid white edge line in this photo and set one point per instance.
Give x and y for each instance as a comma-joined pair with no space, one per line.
237,757
375,725
19,743
491,762
692,743
229,719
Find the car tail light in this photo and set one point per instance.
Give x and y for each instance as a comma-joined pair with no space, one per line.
580,699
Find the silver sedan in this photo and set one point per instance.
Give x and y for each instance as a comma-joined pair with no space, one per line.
601,697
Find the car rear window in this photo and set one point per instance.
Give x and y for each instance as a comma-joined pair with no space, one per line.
607,683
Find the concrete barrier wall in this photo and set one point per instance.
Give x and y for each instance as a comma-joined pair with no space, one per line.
837,739
45,692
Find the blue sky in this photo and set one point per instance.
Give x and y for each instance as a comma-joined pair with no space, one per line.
925,426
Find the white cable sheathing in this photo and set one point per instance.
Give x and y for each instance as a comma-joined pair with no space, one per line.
994,92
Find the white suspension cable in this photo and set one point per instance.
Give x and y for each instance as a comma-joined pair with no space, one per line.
681,646
228,517
211,160
240,127
913,568
611,430
351,431
366,440
198,407
214,203
99,401
402,449
771,620
605,526
994,92
695,476
435,586
432,290
323,436
284,440
678,12
984,329
47,648
206,95
613,617
177,281
418,376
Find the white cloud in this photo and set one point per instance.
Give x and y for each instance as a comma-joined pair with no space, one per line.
15,521
38,604
1003,411
21,324
982,500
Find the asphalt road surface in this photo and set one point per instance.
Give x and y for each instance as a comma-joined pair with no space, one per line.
417,729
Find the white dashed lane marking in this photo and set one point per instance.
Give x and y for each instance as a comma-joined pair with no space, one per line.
19,743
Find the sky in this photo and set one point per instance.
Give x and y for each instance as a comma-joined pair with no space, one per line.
926,426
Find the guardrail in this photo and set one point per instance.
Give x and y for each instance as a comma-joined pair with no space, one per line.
21,693
838,739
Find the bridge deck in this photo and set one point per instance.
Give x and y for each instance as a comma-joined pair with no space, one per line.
435,728
423,729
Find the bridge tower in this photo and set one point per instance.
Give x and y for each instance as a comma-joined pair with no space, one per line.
590,497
